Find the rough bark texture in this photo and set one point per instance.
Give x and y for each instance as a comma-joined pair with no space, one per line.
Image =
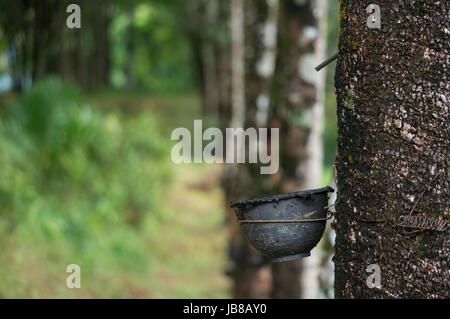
393,118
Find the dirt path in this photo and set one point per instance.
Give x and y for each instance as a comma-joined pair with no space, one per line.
190,251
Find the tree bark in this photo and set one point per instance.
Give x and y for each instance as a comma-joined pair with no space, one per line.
392,93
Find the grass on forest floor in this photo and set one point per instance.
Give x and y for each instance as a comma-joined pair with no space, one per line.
190,250
188,254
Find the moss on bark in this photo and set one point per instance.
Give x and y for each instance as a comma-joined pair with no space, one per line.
391,144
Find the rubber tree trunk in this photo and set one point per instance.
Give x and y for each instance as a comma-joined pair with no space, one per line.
251,275
83,54
282,90
393,145
298,108
211,96
314,147
205,25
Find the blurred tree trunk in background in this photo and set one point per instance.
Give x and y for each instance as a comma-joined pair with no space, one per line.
84,53
129,69
204,30
282,89
99,62
45,27
18,26
392,93
298,95
251,274
44,46
209,59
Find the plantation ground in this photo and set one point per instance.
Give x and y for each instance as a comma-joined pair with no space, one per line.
187,253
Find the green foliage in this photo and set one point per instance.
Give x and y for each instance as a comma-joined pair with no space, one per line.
86,185
150,49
